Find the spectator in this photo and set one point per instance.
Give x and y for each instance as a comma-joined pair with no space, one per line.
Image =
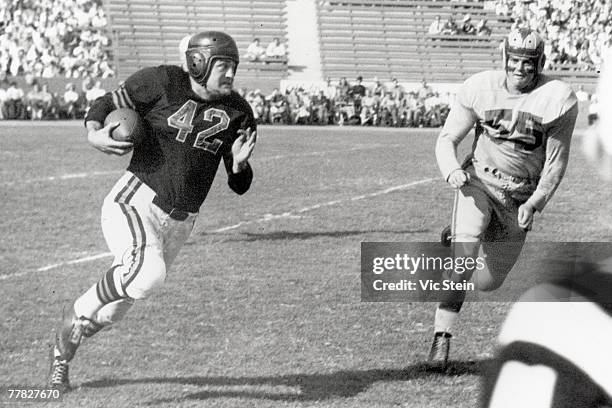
35,102
255,52
467,27
50,106
276,51
321,107
15,107
94,93
482,29
450,27
425,90
357,92
369,109
2,102
69,107
379,89
435,27
278,107
581,94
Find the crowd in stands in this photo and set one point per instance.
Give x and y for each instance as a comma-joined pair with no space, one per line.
34,100
576,31
356,104
51,38
274,52
450,27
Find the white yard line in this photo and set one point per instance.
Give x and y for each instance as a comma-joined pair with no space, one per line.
265,218
61,177
289,214
70,176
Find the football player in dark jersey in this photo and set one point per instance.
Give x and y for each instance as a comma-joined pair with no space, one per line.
193,121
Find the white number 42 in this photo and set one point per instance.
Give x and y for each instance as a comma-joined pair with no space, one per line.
182,120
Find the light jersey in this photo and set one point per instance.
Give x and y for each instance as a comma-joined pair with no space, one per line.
512,130
526,135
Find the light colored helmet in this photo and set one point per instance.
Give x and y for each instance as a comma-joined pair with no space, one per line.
525,43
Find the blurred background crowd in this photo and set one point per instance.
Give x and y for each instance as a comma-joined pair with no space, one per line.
343,103
576,31
45,39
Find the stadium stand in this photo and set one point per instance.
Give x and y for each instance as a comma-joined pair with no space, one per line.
147,32
389,39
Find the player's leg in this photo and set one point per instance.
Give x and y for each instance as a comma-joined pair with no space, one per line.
502,245
470,218
131,234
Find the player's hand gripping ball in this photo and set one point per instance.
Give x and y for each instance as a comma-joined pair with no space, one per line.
130,129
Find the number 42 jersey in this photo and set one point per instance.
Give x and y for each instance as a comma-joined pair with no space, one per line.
186,136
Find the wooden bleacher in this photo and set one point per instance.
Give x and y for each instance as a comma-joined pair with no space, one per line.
147,32
388,39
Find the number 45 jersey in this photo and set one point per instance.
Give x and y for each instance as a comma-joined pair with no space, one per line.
186,136
525,135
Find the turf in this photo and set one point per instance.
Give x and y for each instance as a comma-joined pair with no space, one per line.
266,311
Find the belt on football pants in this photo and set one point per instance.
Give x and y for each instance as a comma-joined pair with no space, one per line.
174,213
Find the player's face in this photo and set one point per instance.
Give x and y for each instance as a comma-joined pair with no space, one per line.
521,73
221,79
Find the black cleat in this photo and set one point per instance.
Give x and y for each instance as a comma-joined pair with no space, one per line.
446,237
58,372
438,356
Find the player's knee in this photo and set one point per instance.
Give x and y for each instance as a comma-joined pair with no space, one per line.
149,278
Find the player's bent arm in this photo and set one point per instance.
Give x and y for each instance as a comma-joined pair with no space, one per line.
239,182
557,156
100,138
458,124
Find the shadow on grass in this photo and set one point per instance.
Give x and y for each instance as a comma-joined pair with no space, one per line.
303,235
308,387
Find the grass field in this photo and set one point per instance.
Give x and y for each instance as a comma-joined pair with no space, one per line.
262,307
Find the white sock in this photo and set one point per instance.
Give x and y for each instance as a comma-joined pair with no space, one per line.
88,304
445,320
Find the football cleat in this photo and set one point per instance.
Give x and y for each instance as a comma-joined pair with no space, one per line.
446,237
58,372
438,356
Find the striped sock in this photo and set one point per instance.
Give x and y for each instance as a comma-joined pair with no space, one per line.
100,294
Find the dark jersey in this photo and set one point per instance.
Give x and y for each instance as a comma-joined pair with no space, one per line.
186,136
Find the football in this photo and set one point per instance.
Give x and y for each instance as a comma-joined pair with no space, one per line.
131,127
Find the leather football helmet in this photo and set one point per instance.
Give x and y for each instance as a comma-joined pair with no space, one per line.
525,43
204,48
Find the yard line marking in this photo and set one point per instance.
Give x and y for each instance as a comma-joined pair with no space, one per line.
70,176
265,218
57,265
288,214
324,152
67,176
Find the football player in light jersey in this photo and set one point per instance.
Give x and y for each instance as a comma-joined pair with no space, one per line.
194,120
554,346
523,123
